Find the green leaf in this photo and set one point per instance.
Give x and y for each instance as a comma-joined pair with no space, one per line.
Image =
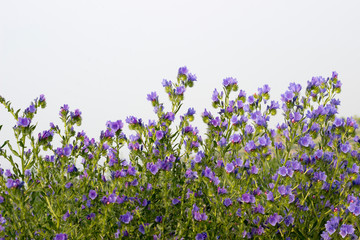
13,151
6,142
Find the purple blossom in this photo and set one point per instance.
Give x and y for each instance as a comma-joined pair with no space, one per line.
183,71
229,167
201,236
345,148
274,219
227,202
306,141
166,83
159,135
175,201
158,219
141,229
287,96
215,96
246,198
250,146
229,81
236,138
249,129
180,90
264,141
283,171
338,122
92,194
332,225
61,236
66,215
346,229
126,218
288,220
23,122
152,97
270,196
254,170
200,155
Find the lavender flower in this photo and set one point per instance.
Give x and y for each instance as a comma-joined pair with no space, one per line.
92,194
126,218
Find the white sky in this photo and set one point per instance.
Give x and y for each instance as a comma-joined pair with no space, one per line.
104,57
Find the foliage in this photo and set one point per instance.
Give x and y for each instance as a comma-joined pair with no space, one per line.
243,179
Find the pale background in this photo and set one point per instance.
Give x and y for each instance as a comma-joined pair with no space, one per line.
104,57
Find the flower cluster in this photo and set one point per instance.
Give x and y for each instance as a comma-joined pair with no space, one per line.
243,179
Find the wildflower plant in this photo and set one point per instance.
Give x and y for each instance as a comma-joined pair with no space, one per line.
243,179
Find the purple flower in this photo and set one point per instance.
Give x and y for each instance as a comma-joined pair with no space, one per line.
192,77
338,122
8,173
180,90
175,201
246,198
158,219
68,185
71,168
282,190
229,81
345,148
190,112
66,215
201,236
306,141
293,87
117,234
283,171
332,225
287,96
270,196
142,229
229,167
215,96
166,83
250,146
115,126
183,71
274,219
112,198
152,97
264,141
27,172
92,194
354,208
227,202
159,135
296,117
325,235
200,155
1,199
91,216
153,168
254,170
346,229
10,183
67,150
126,218
61,236
23,122
289,220
236,138
222,142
